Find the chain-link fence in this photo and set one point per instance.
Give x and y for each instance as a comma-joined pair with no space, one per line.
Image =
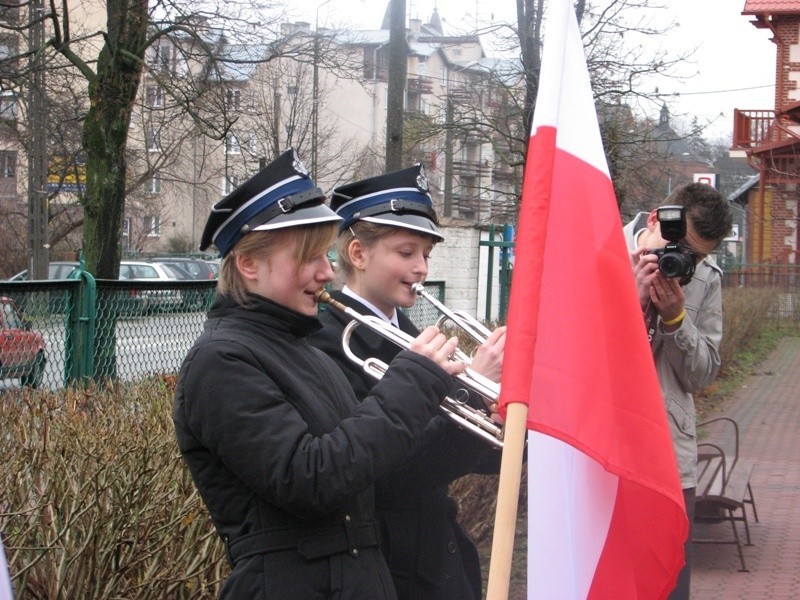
58,332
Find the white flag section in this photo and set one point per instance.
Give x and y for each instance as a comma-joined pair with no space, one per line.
565,99
5,578
605,509
573,519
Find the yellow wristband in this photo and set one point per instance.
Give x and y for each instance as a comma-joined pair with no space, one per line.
676,320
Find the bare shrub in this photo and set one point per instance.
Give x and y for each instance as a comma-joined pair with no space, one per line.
96,500
746,312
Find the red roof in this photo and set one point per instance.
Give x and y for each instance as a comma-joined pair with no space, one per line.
757,7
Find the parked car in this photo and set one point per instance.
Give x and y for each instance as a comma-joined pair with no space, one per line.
199,268
214,265
146,300
22,349
56,270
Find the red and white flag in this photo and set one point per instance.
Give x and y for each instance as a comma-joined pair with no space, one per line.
606,514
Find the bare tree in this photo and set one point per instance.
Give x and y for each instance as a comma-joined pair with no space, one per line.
149,93
497,109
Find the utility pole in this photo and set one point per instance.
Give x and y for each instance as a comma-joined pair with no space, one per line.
398,67
38,212
315,98
448,159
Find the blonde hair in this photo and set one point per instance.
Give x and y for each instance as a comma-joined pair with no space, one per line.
367,233
309,240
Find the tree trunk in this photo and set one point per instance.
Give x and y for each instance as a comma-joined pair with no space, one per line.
112,94
105,134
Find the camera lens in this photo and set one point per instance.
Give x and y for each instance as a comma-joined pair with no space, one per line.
674,264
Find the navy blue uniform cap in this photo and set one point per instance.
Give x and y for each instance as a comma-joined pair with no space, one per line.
280,195
398,199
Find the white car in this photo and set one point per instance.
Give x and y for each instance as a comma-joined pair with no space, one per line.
56,270
151,271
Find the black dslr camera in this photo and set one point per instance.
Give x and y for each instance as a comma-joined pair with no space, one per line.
675,260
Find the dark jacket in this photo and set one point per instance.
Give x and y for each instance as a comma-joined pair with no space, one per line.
429,555
285,457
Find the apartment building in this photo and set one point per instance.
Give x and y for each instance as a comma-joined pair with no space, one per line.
323,92
326,95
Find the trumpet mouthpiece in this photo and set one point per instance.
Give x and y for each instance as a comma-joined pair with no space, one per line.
418,288
322,296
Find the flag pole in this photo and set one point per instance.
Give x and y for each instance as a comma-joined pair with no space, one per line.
505,518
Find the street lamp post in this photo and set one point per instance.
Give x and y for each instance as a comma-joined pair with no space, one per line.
38,210
315,96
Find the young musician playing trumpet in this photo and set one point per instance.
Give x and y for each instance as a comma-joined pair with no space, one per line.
387,234
282,453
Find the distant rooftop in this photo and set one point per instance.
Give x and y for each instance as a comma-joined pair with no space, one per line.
757,7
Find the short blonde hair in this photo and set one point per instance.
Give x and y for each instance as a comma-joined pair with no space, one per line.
310,240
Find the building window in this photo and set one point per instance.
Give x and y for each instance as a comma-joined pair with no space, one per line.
152,226
232,144
229,183
252,142
161,58
8,163
232,99
375,65
153,140
154,184
154,96
8,106
252,102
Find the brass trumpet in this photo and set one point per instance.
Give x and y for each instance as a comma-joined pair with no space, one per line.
471,419
474,328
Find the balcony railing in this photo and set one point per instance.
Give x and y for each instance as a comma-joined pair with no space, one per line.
471,167
753,129
466,205
502,172
420,85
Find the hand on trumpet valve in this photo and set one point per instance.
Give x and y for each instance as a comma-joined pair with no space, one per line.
439,348
488,358
491,407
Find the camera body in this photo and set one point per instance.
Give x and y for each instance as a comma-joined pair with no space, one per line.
675,260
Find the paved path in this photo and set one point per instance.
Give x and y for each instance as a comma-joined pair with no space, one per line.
767,408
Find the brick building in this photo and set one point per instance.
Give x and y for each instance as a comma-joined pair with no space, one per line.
770,140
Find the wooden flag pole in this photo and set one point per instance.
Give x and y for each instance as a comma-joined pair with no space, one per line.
505,518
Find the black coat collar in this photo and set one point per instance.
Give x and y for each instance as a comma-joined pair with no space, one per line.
262,311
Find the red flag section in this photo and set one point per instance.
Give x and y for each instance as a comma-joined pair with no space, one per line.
606,516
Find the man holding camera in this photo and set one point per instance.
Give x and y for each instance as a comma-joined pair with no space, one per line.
680,291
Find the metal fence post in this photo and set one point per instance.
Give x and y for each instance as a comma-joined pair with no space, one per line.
505,272
504,276
489,275
80,331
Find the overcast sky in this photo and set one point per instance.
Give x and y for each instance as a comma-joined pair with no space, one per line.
735,62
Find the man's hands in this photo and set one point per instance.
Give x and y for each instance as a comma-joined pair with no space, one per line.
665,293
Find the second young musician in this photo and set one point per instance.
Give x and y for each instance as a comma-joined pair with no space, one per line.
387,234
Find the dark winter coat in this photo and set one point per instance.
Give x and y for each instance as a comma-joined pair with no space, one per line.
429,554
285,457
